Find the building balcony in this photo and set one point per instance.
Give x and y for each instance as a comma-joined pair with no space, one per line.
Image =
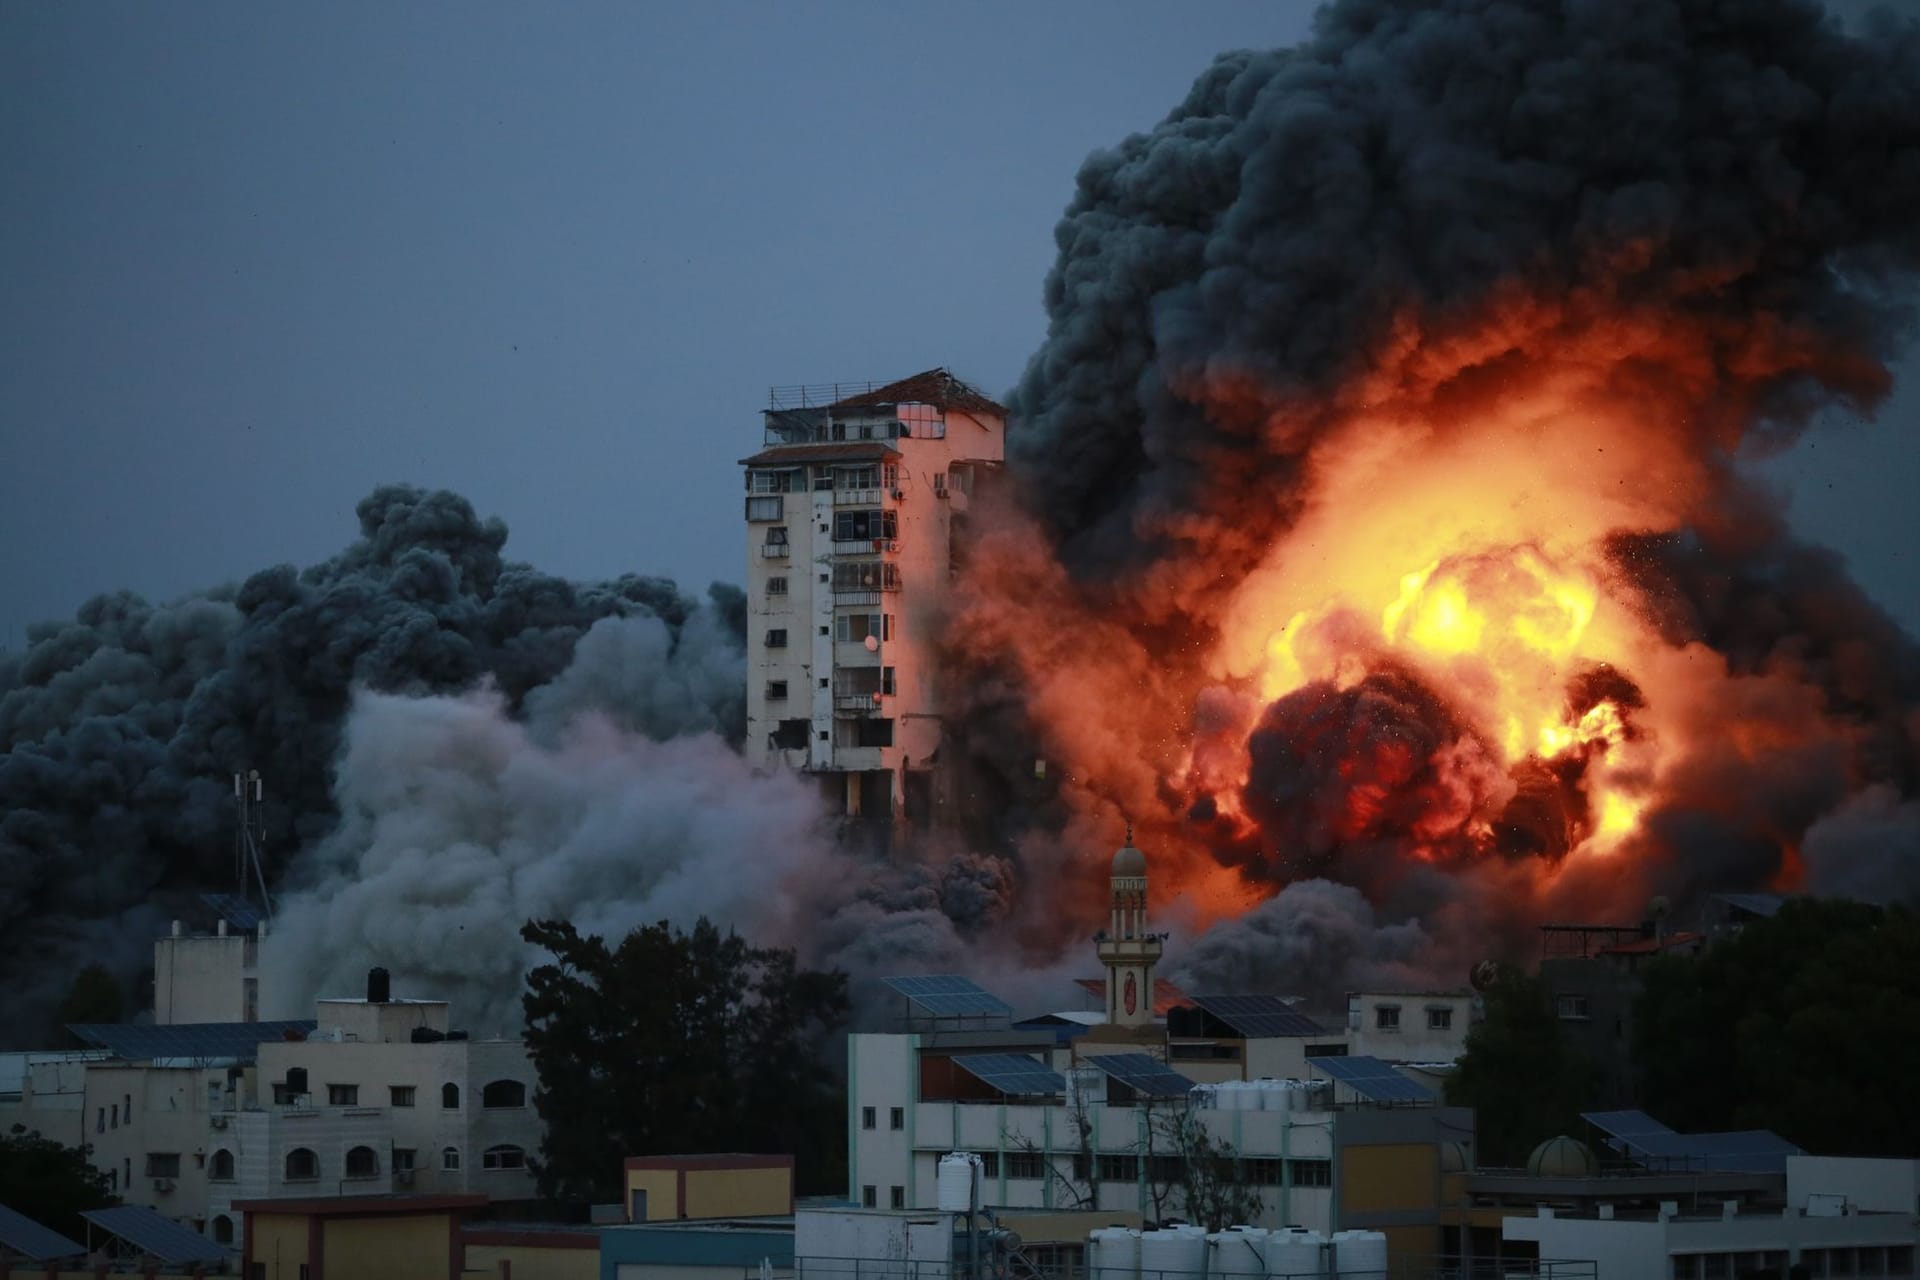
856,704
857,497
775,550
865,546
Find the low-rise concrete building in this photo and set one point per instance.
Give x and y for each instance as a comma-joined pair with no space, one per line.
356,1237
671,1188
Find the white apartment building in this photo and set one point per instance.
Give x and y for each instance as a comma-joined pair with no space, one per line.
1088,1124
206,977
853,510
1409,1026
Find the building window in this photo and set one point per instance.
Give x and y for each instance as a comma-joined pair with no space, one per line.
896,1197
1119,1168
1439,1019
776,690
362,1162
503,1093
450,1097
866,575
896,1118
863,526
873,733
1386,1017
856,477
343,1095
1571,1008
855,628
403,1159
1326,1051
886,681
400,1095
789,735
100,1120
1026,1164
765,510
1310,1173
113,1116
163,1164
870,1196
1264,1172
989,1164
302,1165
777,586
126,1107
220,1168
222,1229
777,638
867,1118
504,1156
772,481
450,1158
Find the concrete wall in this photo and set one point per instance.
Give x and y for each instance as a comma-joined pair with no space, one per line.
533,1262
132,1112
396,1247
204,978
663,1193
279,1245
1885,1186
717,1193
1414,1040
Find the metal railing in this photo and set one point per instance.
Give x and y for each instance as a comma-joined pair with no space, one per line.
992,1267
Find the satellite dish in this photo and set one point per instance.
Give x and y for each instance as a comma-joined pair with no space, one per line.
873,644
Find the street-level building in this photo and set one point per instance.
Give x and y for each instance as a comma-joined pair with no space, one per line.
855,511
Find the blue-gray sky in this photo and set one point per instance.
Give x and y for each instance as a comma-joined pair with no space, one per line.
257,259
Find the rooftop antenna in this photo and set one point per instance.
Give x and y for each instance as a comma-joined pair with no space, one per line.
250,836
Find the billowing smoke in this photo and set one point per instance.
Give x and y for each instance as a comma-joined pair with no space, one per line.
1385,469
121,730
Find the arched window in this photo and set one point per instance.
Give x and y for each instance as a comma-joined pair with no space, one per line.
222,1229
503,1157
450,1158
221,1167
504,1093
302,1165
450,1096
362,1163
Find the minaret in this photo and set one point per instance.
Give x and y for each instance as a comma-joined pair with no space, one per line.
1125,946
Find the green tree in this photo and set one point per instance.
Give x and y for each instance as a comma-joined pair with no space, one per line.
1214,1189
1523,1080
1802,1024
50,1183
675,1043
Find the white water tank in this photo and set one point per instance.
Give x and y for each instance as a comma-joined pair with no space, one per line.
1294,1254
1173,1253
1113,1253
1237,1251
957,1182
1206,1097
1360,1255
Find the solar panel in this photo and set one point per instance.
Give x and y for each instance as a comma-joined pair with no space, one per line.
1013,1073
1257,1017
1372,1079
22,1235
948,995
150,1233
1644,1140
1142,1073
234,909
188,1039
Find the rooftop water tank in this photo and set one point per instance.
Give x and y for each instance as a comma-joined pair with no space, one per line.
1113,1253
1360,1255
1173,1253
957,1182
1294,1254
1237,1251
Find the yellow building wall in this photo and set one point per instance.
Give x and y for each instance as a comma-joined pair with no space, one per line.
535,1263
1403,1242
388,1248
720,1193
280,1244
1378,1179
663,1190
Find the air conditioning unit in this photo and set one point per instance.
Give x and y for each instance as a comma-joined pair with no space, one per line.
163,1184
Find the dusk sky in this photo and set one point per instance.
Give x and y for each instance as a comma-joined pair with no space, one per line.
258,259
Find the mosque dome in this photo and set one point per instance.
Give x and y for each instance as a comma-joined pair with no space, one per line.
1453,1158
1129,861
1562,1157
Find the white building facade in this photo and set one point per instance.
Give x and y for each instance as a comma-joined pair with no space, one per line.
853,513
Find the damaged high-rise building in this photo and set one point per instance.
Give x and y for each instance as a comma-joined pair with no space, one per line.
854,510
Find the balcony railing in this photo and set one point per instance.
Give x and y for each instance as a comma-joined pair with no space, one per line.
775,550
857,497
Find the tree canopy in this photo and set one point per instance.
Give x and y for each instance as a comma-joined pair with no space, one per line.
1523,1080
49,1182
1802,1024
680,1043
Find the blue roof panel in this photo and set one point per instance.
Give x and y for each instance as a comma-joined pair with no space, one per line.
1143,1073
1013,1073
949,995
206,1040
161,1237
1372,1079
1259,1017
22,1235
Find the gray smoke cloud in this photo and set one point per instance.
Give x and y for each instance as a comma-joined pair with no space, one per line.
121,729
1315,939
1702,209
